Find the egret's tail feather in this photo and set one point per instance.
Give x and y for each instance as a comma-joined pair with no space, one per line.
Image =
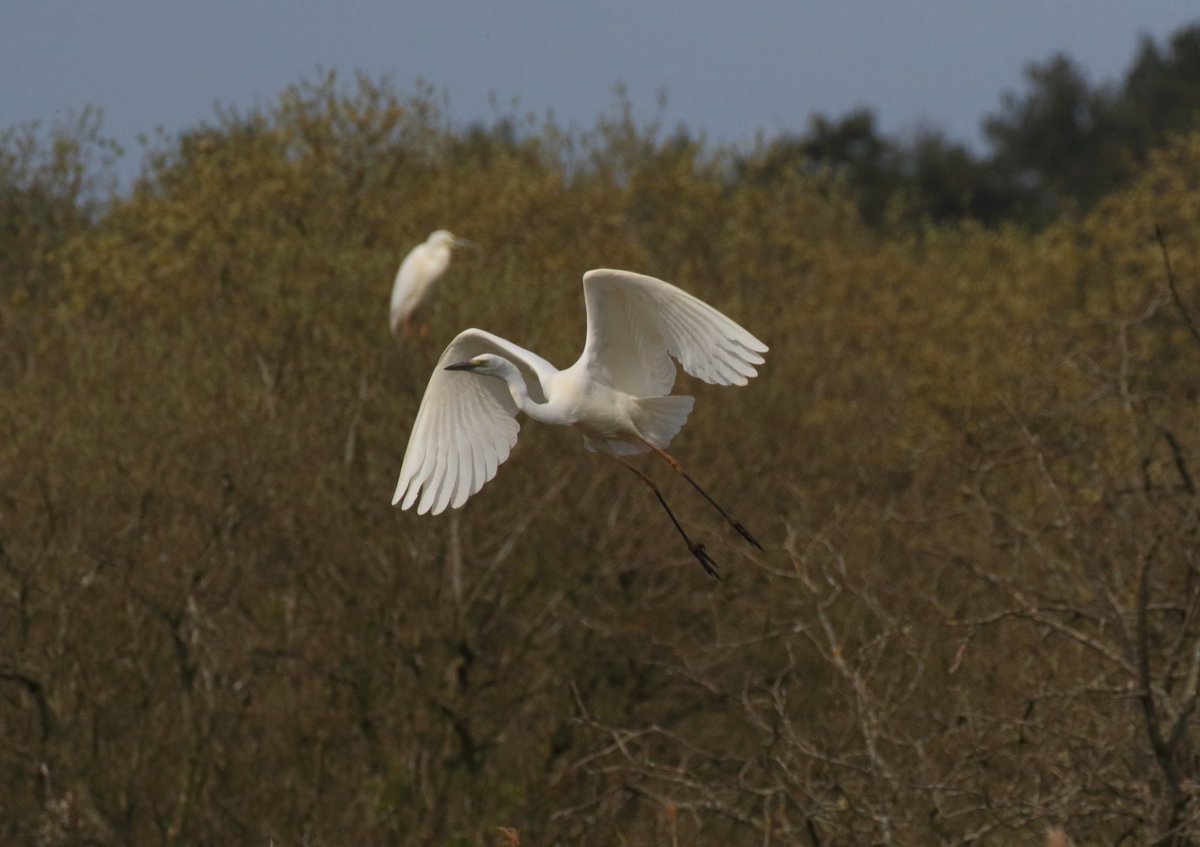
659,419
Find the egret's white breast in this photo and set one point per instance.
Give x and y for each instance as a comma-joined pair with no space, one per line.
601,412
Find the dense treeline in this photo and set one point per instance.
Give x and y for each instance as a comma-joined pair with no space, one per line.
972,455
1063,143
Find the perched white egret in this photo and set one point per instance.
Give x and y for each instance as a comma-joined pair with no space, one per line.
617,394
420,268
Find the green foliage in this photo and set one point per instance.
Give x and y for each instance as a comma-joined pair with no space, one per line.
50,185
971,453
1062,143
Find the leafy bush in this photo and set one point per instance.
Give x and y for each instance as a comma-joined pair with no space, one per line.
971,453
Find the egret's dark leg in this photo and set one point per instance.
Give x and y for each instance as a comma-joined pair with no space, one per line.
697,549
674,463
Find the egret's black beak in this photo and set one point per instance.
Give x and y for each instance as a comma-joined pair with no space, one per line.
462,366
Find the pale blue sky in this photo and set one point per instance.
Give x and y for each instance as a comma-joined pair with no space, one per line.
728,68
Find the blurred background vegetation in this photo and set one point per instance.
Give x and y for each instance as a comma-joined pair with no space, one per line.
972,456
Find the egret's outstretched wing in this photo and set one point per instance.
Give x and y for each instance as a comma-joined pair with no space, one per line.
465,427
635,323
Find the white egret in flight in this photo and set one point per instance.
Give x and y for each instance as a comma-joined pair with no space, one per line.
617,394
420,268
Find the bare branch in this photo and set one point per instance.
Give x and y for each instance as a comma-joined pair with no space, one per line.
1162,243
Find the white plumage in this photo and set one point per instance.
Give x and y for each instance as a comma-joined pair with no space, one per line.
419,270
617,395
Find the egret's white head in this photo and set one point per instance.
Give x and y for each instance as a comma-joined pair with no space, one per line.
486,363
445,238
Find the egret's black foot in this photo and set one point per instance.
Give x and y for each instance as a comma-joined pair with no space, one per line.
746,535
705,560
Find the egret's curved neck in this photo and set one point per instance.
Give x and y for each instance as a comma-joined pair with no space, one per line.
519,390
